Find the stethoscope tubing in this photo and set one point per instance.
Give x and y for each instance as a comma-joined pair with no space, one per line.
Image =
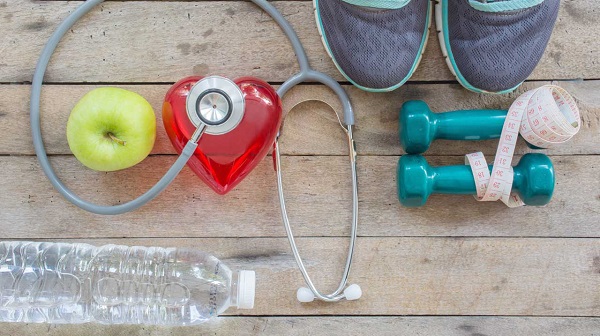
38,144
305,74
336,295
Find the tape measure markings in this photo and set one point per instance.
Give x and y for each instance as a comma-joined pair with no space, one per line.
544,117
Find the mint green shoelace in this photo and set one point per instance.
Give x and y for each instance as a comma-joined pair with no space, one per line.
382,4
496,6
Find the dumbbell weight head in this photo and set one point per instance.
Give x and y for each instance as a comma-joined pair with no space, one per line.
415,180
535,179
416,126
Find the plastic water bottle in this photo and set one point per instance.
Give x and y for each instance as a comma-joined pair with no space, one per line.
79,283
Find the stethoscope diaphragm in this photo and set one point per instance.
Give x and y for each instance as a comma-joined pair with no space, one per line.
216,102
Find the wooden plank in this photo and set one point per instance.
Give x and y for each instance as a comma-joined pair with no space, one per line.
333,326
318,195
136,42
418,276
311,127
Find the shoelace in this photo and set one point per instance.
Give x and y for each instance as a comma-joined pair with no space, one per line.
379,4
496,6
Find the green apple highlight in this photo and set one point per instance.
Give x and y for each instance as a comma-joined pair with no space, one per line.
111,129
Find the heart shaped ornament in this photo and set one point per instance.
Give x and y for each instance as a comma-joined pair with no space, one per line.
222,161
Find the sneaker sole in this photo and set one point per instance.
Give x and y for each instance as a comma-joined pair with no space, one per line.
397,86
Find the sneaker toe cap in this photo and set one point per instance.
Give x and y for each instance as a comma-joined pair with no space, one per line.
496,52
375,49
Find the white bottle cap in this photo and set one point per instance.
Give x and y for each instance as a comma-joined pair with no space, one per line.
305,295
353,292
246,289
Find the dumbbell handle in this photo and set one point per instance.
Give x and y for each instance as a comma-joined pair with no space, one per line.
469,124
458,180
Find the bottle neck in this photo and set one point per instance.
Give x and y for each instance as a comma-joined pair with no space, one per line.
234,294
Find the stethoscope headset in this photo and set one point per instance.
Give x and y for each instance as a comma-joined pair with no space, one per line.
216,109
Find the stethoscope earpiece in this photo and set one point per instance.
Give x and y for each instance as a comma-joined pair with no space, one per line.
351,293
305,295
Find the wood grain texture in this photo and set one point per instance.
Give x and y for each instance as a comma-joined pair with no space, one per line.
165,41
535,273
417,276
337,326
310,126
318,197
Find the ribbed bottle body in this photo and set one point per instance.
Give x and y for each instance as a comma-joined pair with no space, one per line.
78,283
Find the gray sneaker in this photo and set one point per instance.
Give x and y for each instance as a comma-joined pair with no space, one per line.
493,46
376,44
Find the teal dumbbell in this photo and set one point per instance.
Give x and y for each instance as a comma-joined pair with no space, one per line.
533,180
418,126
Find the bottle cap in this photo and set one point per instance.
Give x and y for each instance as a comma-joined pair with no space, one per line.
246,289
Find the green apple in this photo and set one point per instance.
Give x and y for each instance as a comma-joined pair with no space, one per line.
111,129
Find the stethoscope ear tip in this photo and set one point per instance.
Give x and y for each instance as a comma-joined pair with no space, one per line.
305,295
352,292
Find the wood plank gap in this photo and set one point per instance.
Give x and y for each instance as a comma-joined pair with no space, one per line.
305,155
408,83
300,236
416,315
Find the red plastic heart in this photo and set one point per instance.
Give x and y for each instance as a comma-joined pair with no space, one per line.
223,161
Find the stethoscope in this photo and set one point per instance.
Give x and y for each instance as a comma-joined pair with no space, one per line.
214,107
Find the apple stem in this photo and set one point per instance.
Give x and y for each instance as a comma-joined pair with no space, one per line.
115,139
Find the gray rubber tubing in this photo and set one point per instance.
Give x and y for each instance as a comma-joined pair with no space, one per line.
305,74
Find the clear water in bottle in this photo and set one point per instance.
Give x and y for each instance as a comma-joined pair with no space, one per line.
79,283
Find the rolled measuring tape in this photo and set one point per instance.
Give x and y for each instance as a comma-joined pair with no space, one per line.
544,117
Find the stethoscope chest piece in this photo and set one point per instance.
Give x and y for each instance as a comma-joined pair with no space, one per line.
216,102
216,105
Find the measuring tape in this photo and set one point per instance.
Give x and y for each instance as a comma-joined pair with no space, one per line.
544,117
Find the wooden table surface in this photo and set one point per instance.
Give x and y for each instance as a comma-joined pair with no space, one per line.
454,267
